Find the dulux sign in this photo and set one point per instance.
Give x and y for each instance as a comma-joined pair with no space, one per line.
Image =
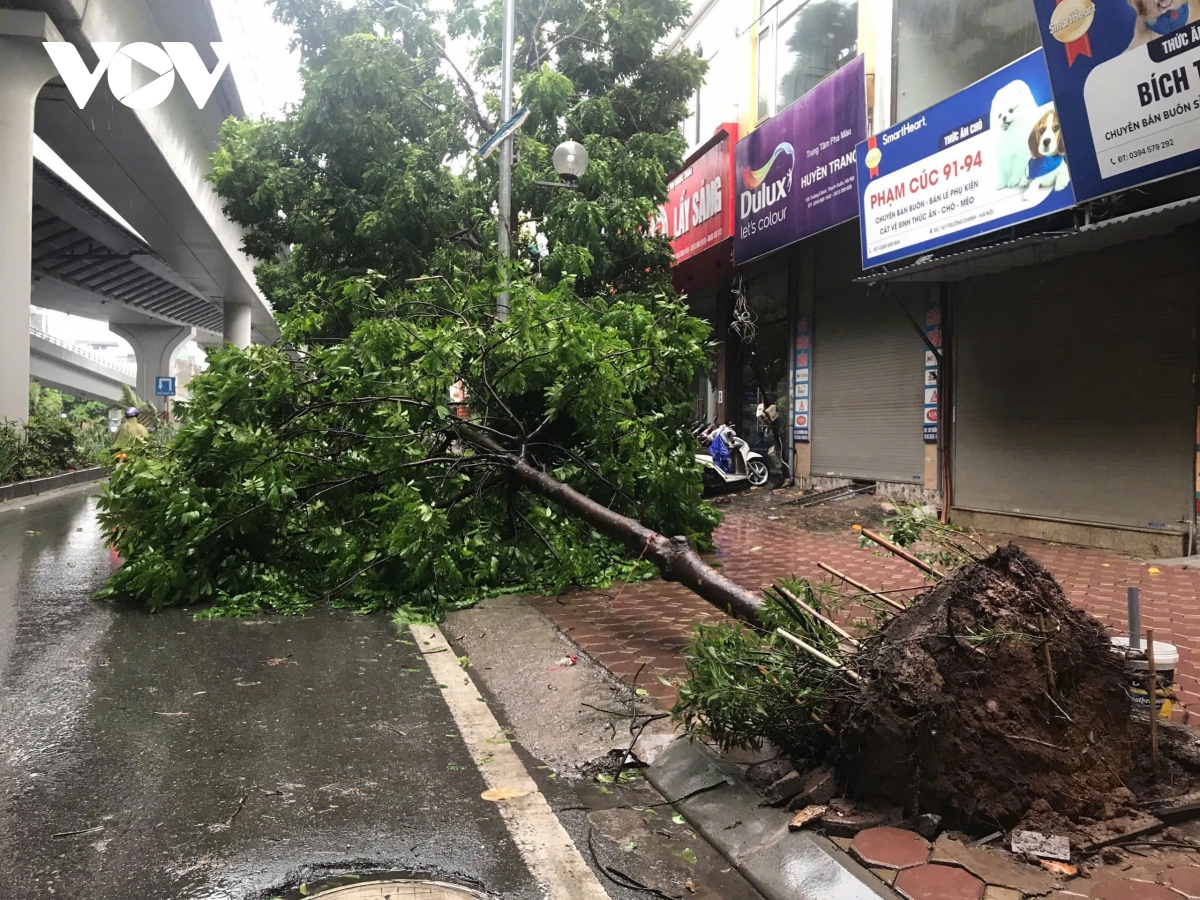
796,172
165,61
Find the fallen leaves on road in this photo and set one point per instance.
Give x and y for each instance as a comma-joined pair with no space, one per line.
496,795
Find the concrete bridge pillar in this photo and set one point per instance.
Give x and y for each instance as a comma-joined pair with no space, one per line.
237,324
24,68
155,347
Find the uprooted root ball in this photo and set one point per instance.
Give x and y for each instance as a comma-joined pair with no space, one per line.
956,716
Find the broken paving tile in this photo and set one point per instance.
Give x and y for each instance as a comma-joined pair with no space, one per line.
819,787
806,817
1054,867
783,790
999,893
846,818
1043,846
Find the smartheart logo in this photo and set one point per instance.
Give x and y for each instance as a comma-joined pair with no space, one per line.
118,61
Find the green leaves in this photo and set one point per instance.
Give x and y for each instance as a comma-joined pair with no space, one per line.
334,474
330,467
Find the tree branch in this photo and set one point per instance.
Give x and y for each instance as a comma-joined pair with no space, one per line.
673,557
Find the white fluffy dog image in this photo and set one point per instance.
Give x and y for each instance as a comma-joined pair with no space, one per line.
1014,112
1047,166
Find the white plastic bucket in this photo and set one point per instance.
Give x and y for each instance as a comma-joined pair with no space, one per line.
1166,658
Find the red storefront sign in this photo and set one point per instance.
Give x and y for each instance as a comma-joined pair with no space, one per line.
698,213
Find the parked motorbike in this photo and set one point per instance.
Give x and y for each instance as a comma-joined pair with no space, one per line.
728,462
768,426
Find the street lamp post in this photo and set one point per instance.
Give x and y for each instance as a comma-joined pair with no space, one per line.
570,158
504,222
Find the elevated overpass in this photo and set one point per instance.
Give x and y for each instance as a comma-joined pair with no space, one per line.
57,364
177,271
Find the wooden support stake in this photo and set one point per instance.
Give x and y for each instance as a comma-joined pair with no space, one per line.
1046,656
833,626
814,652
895,604
1152,692
902,553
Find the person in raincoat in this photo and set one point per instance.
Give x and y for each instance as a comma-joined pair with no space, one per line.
130,435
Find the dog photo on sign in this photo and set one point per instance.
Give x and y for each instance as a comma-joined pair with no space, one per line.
1047,167
1014,113
1158,18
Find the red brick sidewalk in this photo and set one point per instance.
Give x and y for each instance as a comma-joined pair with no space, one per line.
644,632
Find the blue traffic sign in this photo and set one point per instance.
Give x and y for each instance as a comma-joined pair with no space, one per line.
164,387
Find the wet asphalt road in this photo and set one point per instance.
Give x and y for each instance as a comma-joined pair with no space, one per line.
215,759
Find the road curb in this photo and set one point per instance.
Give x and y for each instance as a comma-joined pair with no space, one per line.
716,801
37,486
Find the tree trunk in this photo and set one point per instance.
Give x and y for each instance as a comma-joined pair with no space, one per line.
673,556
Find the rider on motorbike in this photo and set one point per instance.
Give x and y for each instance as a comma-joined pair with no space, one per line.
131,434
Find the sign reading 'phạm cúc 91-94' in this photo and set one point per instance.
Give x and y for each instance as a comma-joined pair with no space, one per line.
1126,76
796,173
987,158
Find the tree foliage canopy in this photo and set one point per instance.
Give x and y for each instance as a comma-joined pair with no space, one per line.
334,465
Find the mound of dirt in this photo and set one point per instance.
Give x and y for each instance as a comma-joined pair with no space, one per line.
956,718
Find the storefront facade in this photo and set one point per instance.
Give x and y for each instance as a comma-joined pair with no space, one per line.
868,375
698,218
1067,383
1075,398
796,181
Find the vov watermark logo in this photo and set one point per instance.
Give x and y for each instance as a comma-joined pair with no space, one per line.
165,61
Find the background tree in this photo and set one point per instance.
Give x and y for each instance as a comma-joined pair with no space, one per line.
333,465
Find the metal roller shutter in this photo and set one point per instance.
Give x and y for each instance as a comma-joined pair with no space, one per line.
868,371
1074,388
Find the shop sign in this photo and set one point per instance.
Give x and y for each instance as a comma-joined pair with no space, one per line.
933,333
988,158
1126,75
697,213
802,382
795,173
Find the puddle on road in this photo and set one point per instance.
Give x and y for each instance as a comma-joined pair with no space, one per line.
380,886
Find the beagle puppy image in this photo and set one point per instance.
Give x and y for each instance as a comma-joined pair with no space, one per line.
1158,18
1047,166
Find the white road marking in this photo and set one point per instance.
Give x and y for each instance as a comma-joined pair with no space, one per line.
544,844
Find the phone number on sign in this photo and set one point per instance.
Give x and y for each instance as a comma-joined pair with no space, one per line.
1138,153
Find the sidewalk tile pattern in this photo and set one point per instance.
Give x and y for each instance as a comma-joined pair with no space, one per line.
640,632
936,882
1134,890
1186,880
890,848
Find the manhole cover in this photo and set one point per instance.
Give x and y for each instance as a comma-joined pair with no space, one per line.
399,889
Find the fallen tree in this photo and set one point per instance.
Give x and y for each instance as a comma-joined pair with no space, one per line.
989,700
335,465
